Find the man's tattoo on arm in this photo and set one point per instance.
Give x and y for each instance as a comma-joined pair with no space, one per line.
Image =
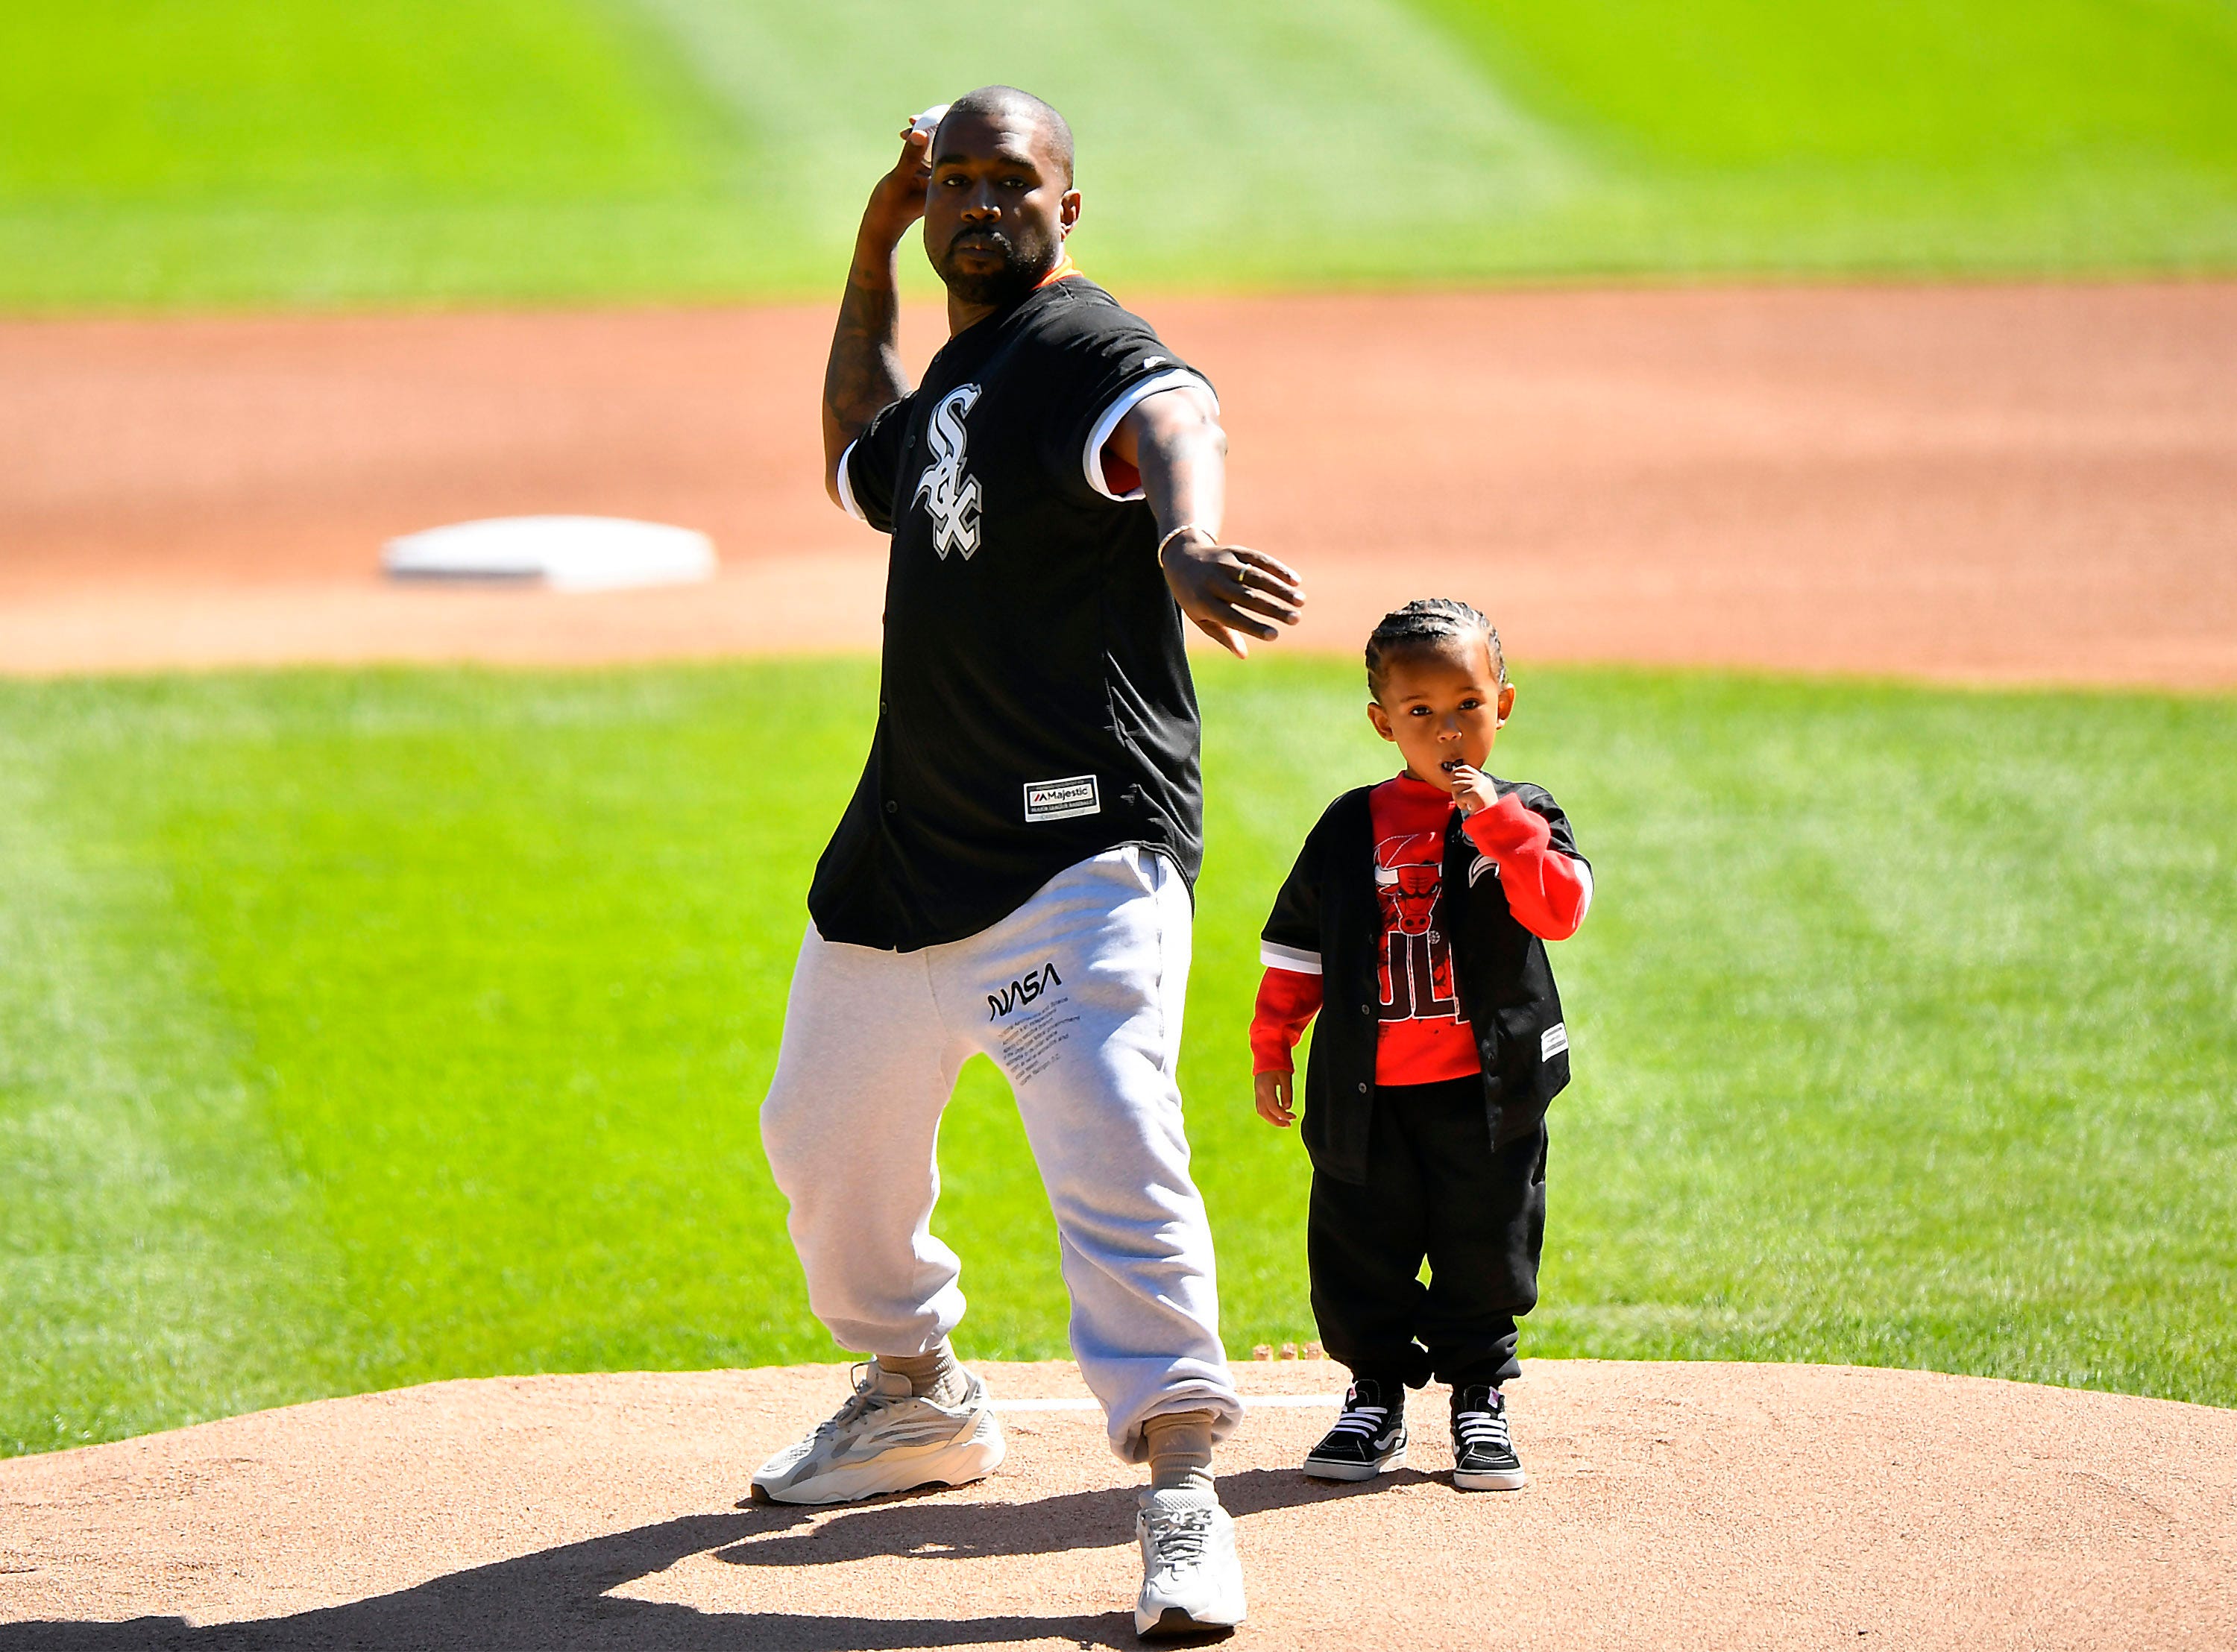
865,371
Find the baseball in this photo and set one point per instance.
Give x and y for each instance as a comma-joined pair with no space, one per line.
930,119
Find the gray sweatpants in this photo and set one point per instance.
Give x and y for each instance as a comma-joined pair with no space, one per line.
1077,997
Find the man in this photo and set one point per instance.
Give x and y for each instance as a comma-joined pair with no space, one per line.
1011,876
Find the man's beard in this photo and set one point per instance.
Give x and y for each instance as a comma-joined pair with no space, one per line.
1025,261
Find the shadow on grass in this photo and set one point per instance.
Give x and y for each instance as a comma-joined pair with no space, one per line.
562,1598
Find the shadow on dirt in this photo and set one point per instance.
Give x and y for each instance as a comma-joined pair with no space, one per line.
562,1598
1099,1519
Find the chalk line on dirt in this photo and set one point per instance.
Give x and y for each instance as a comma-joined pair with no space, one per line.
1250,1402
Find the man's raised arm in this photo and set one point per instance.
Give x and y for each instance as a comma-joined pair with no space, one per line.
864,373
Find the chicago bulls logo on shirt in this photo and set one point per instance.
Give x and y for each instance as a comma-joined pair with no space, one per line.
1415,970
951,496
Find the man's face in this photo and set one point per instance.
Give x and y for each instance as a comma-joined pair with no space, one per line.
1442,705
998,208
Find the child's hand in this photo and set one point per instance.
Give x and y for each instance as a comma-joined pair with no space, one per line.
1274,1098
1473,790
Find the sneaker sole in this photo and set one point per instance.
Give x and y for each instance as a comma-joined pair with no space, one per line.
1322,1468
1491,1480
941,1465
1175,1623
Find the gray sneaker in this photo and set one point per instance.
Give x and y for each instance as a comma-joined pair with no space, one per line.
886,1438
1191,1581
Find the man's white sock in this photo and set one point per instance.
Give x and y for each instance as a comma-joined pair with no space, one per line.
933,1376
1180,1450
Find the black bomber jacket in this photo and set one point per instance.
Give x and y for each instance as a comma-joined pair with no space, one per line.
1327,913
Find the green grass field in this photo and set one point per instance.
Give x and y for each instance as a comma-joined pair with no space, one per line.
206,153
358,1029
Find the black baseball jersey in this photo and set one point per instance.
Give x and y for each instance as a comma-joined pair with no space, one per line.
1035,706
1329,916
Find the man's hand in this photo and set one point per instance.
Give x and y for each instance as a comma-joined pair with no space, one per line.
897,199
864,373
1230,592
1174,441
1473,790
1275,1096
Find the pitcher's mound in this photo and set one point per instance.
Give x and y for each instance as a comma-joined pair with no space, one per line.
1692,1506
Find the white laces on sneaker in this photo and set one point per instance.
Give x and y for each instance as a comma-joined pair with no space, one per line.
1363,1417
1484,1428
866,1397
1366,1420
1179,1536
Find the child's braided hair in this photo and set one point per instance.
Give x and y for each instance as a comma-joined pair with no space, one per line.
1424,624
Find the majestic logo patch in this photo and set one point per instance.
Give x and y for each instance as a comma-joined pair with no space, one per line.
1062,799
951,496
1025,990
1553,1041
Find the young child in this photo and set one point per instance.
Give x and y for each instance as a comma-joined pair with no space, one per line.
1414,924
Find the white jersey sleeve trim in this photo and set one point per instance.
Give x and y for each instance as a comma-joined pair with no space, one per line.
1125,402
1585,872
1275,956
847,488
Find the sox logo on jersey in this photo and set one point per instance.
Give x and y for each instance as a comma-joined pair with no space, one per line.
950,495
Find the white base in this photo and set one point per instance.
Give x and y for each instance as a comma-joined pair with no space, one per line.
565,553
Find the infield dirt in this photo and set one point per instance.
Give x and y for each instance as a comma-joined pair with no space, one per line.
1703,1506
1990,483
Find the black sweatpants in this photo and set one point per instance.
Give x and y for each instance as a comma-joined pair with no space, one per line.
1437,1188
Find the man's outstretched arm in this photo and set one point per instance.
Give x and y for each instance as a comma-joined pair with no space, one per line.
1174,440
864,373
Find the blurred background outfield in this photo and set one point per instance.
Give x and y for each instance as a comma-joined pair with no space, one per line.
317,152
366,1026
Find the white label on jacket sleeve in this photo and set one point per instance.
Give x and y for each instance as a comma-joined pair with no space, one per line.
1062,799
1553,1041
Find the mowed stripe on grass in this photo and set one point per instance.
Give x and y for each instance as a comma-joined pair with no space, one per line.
162,1262
311,153
364,1027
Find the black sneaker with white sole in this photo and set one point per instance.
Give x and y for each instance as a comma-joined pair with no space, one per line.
1484,1452
1368,1438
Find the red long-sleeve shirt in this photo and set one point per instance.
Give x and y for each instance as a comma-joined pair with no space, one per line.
1421,1036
